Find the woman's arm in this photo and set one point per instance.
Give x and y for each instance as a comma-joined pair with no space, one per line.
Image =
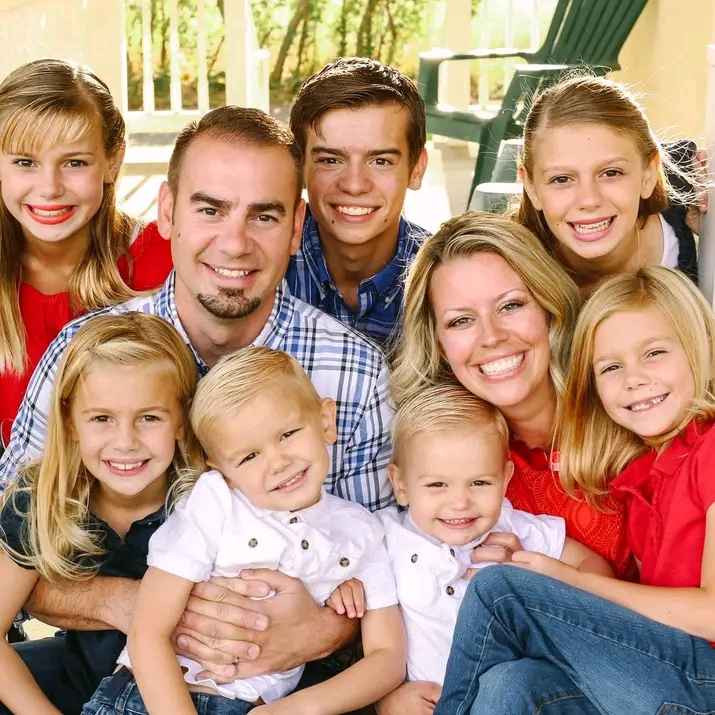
584,559
380,671
689,609
18,690
160,604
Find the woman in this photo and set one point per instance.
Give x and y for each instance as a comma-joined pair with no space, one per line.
487,306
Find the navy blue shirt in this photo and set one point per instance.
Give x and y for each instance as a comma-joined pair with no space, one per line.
379,311
90,655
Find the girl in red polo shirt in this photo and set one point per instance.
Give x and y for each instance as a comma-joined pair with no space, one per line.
640,403
64,247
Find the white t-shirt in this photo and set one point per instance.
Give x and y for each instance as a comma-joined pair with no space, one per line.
216,531
431,579
671,248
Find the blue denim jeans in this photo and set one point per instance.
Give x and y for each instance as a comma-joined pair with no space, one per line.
118,694
524,631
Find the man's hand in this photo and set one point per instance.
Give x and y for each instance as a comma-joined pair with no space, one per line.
416,698
498,547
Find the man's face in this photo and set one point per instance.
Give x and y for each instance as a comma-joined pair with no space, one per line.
233,224
357,170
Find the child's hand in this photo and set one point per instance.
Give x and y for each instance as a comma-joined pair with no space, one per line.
348,599
541,564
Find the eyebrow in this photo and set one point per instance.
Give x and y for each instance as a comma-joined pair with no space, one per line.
605,162
109,410
501,296
657,339
393,151
267,206
199,197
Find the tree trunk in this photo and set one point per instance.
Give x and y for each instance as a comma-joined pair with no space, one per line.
364,37
300,13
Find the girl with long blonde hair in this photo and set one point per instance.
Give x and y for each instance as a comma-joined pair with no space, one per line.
64,246
638,415
119,441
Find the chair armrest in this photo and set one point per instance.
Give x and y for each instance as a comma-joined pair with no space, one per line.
439,54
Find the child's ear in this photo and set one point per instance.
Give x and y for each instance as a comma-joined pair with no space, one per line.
508,473
327,420
650,176
523,175
165,213
399,488
114,165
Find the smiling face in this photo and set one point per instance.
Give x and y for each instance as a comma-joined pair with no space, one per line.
357,170
233,225
126,420
274,447
55,191
588,181
642,373
492,332
453,481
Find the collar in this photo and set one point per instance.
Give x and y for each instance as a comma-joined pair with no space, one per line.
386,282
311,514
534,457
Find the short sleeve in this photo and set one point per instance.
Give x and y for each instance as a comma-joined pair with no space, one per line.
375,570
537,532
13,522
187,543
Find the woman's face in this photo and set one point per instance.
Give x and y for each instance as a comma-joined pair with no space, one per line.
491,330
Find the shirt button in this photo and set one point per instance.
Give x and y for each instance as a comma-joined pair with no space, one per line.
451,552
253,543
414,558
345,561
293,520
304,545
449,590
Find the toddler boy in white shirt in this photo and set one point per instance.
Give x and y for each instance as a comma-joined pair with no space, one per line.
451,468
262,505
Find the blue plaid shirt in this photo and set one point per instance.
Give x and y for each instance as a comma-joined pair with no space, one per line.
380,297
341,363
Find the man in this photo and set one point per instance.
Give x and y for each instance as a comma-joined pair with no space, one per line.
361,128
233,212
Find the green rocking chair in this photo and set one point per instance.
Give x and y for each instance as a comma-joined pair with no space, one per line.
582,33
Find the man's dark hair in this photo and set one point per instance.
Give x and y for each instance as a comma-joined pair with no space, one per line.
354,82
240,124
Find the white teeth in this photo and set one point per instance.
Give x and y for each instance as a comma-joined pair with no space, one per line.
291,481
503,365
458,522
592,227
354,210
230,272
124,466
50,214
646,404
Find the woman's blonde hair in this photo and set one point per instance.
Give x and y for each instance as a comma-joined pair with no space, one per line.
419,361
237,378
43,103
586,99
593,448
56,539
442,408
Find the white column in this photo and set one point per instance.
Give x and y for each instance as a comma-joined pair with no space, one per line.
706,258
147,59
236,61
454,76
174,57
201,51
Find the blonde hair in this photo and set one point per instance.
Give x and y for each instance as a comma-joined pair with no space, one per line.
56,539
586,99
419,362
593,448
239,377
43,103
443,407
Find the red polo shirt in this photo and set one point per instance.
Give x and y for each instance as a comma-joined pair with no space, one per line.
535,487
666,497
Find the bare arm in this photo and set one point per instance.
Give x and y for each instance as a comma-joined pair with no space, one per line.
415,698
379,672
18,690
689,609
583,559
160,603
100,603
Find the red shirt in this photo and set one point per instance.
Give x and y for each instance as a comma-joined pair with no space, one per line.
535,487
45,315
667,496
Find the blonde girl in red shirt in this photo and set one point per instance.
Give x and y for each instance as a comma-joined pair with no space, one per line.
640,403
64,246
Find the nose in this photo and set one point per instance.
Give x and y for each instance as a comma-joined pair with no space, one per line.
634,377
234,240
51,184
492,331
354,179
460,498
277,460
589,194
125,437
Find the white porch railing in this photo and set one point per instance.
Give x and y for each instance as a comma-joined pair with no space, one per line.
246,66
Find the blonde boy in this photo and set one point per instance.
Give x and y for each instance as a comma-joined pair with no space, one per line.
262,505
451,469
